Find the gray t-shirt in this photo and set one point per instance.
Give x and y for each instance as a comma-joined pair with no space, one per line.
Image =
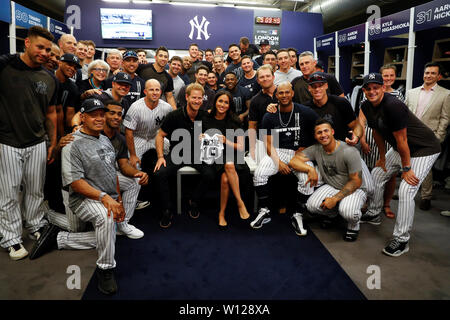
335,167
91,159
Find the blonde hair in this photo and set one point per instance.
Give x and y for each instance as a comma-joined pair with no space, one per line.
194,86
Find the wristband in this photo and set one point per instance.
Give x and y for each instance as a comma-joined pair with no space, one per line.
100,197
406,169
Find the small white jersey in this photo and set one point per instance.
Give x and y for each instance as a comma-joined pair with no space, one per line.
286,76
145,123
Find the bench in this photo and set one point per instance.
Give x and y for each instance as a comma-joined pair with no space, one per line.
187,170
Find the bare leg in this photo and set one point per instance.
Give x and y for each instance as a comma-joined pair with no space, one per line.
233,181
389,190
224,192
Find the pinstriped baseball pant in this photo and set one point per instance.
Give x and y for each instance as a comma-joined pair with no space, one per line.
406,193
369,186
130,191
349,207
21,166
266,168
70,222
103,238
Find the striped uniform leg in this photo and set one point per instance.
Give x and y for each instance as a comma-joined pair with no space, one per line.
368,184
11,167
406,193
316,199
302,177
77,240
266,168
35,160
130,190
350,208
380,177
105,233
56,218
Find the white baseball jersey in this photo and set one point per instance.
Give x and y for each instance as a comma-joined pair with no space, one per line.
145,123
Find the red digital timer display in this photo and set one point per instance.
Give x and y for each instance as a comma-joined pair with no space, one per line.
268,20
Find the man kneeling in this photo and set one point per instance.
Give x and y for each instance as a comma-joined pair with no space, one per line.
339,167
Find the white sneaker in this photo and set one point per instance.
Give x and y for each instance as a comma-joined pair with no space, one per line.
130,231
262,218
297,223
445,213
142,204
17,252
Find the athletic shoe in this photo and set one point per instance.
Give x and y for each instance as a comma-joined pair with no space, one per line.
262,218
46,242
445,213
297,223
194,213
35,235
166,219
396,248
17,252
375,220
351,235
106,281
142,204
130,231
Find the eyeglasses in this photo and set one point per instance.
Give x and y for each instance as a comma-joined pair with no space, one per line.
100,70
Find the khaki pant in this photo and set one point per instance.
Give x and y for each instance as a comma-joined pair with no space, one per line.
427,187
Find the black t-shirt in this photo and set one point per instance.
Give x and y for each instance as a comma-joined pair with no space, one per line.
301,92
180,121
240,97
119,143
220,78
68,96
338,111
85,85
393,115
208,98
213,126
148,71
258,106
251,84
25,95
136,89
295,129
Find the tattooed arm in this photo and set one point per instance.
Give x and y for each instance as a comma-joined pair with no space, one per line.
353,183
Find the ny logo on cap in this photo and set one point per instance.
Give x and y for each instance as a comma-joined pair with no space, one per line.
372,76
97,103
125,75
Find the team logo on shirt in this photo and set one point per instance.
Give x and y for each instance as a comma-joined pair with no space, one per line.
202,28
159,120
41,87
210,148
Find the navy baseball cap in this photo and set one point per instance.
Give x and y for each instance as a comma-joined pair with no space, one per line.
317,77
90,105
373,78
69,57
122,77
130,54
264,42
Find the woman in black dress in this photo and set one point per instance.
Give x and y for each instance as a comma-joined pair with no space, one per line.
224,127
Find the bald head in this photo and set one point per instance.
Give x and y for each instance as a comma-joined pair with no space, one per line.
285,94
67,43
152,91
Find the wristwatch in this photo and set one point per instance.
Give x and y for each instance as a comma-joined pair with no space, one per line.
406,169
100,197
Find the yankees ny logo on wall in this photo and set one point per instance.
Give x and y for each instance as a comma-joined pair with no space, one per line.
202,28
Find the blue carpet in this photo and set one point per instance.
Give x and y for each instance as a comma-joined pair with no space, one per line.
194,260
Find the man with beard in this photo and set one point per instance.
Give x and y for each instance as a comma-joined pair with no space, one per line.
201,76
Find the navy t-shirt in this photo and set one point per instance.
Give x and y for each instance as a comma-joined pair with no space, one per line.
240,97
251,84
393,115
295,129
338,111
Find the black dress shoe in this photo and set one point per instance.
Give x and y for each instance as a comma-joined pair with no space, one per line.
166,219
222,228
425,204
106,281
46,242
194,213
